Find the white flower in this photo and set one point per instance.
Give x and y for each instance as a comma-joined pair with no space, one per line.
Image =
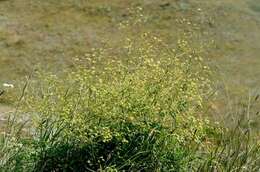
8,85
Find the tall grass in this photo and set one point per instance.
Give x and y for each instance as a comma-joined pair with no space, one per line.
139,109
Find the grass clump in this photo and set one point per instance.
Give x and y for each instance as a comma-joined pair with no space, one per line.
134,110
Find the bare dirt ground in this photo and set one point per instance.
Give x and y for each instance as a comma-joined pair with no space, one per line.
4,110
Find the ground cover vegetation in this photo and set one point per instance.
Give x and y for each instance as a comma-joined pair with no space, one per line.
134,104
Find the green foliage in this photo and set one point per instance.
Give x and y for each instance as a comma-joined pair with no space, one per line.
134,110
138,110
